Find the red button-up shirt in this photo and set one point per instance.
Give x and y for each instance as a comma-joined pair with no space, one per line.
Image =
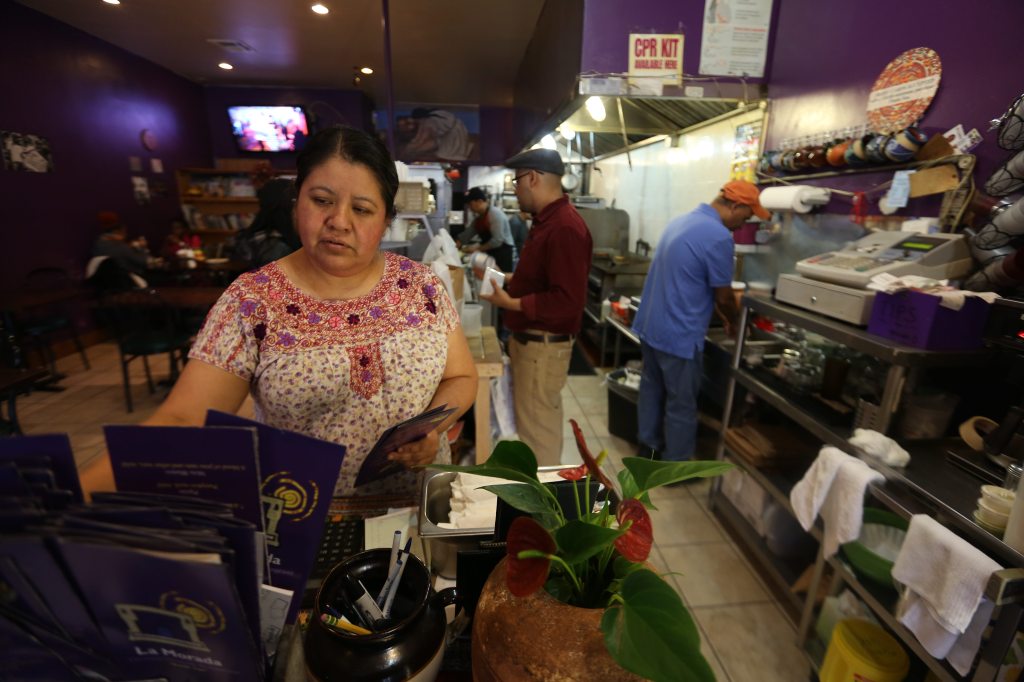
551,278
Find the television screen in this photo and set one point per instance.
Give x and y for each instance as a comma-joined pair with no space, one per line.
269,129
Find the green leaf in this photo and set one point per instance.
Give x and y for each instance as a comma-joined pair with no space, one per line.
578,540
652,634
621,566
511,460
560,588
529,498
649,474
631,490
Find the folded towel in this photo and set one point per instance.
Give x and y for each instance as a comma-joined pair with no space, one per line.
882,447
843,511
944,609
809,493
953,593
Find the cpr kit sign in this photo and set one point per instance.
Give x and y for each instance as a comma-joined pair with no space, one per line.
655,59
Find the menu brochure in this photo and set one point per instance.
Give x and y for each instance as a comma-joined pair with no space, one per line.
377,465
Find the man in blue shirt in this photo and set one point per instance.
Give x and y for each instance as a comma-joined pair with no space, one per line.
690,276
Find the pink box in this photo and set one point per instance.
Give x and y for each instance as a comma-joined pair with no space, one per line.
916,319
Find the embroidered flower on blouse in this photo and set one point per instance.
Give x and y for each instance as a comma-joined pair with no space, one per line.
403,283
413,319
366,375
394,298
364,361
430,290
260,331
292,309
334,321
261,279
353,319
248,307
431,307
285,339
314,318
376,312
405,265
276,295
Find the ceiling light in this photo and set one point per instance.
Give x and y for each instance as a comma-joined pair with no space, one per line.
595,107
566,131
225,66
112,2
320,9
366,69
548,142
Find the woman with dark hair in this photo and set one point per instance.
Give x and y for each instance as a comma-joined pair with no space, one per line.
271,235
338,340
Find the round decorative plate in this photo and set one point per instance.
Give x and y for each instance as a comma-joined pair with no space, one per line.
149,140
904,90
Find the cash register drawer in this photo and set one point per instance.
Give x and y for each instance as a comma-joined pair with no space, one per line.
833,300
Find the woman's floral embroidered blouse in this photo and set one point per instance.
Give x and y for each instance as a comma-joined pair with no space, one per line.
342,371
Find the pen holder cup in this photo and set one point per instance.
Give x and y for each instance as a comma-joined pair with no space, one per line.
410,648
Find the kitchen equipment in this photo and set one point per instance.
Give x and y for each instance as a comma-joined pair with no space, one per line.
866,554
833,283
1005,444
442,545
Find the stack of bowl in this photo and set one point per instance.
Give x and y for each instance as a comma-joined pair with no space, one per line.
993,510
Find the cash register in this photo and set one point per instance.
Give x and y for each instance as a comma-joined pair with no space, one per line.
834,283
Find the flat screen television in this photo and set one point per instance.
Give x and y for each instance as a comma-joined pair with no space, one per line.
269,128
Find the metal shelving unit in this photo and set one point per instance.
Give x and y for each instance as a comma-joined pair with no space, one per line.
929,484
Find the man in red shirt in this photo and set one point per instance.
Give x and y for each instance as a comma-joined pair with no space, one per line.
544,300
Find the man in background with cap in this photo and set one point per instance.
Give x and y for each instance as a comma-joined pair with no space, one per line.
490,228
690,276
544,300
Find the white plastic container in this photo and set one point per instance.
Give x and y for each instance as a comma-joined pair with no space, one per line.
471,314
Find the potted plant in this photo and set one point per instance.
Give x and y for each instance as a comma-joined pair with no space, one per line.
595,561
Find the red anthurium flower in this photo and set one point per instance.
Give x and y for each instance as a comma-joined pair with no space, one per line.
588,459
526,576
635,543
574,474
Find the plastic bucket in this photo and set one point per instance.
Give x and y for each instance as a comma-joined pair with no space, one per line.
861,651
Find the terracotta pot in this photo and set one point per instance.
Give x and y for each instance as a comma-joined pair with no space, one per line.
538,638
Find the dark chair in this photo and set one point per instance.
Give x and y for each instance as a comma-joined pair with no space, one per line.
15,379
143,324
39,327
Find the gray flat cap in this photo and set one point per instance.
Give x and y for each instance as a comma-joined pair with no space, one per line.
544,160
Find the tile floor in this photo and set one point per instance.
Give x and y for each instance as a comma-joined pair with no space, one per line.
746,637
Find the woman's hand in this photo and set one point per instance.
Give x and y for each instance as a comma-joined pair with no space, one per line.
419,453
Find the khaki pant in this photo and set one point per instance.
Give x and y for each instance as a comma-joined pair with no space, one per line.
539,372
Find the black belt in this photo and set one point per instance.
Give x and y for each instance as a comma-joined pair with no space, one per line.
526,337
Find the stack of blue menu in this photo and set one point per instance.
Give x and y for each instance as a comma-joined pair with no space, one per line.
188,572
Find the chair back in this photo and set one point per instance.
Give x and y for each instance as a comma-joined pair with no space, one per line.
137,314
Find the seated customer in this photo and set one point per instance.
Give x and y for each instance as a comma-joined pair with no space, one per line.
112,242
271,235
338,340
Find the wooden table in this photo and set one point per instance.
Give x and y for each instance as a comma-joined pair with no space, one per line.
486,353
190,297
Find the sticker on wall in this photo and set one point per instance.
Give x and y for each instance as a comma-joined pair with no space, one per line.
140,189
25,152
904,90
156,165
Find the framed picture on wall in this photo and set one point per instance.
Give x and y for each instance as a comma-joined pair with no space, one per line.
25,152
427,133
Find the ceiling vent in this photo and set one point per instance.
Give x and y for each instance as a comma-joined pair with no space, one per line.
229,45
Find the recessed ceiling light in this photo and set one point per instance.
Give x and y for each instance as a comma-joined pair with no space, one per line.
320,9
366,69
225,66
112,2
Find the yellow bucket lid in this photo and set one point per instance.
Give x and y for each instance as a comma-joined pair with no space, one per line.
871,646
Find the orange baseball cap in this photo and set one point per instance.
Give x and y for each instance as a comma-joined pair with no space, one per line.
746,193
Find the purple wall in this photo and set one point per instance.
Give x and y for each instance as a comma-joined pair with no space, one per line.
498,140
91,101
608,23
828,55
326,108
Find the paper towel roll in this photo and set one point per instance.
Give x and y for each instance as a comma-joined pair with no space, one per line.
799,198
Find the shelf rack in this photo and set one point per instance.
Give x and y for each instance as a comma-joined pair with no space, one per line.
929,484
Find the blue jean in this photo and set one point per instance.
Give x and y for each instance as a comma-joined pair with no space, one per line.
667,407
